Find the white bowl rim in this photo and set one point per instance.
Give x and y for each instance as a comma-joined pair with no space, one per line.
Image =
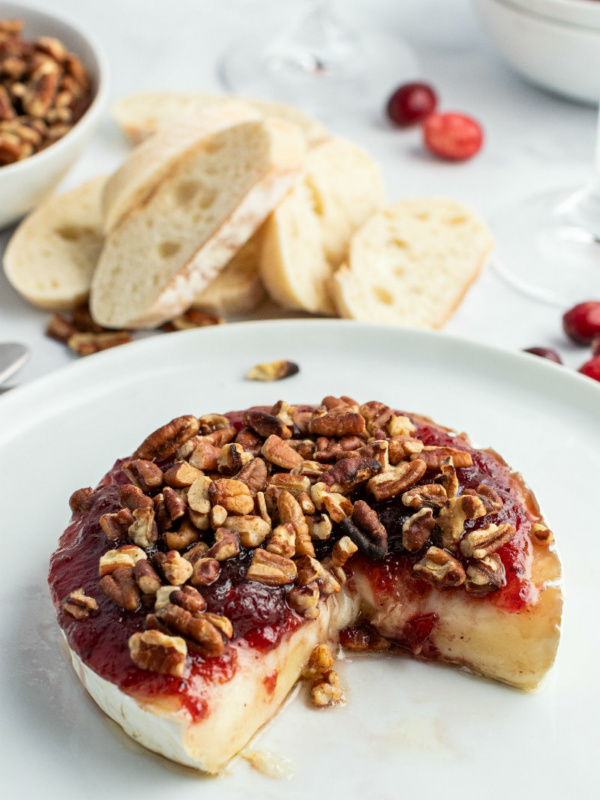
95,106
576,13
572,28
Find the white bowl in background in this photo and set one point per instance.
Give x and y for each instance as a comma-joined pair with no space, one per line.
581,13
555,55
26,183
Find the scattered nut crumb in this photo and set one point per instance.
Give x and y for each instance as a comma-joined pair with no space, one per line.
275,371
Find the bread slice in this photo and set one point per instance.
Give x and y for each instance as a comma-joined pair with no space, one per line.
238,289
144,169
307,236
412,263
164,251
141,115
51,256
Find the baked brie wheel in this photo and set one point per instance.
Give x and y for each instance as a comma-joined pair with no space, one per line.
196,583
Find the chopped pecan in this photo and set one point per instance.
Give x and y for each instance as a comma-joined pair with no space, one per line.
157,652
399,425
266,424
205,455
161,515
305,447
432,495
343,550
86,344
366,531
417,530
376,414
121,588
186,535
490,498
250,441
309,570
305,600
201,521
541,534
196,552
143,530
440,568
403,447
254,475
116,525
448,478
208,641
181,474
319,661
174,503
189,598
434,457
301,421
280,453
232,459
284,412
335,504
126,556
486,540
209,423
290,511
60,329
349,473
144,474
190,320
233,495
79,605
227,545
163,597
326,690
378,451
306,504
176,569
206,571
261,505
81,500
452,517
251,530
218,515
133,498
146,577
319,526
221,437
486,575
294,484
221,623
165,441
282,541
363,639
338,422
311,469
274,371
271,569
396,480
198,496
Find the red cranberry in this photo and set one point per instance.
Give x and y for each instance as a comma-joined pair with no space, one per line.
596,346
411,103
591,368
452,136
582,322
544,352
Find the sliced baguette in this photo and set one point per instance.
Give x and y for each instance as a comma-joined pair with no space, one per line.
51,256
144,170
307,236
238,289
163,252
412,263
141,115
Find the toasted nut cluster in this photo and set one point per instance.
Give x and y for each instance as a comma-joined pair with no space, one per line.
305,491
44,90
324,681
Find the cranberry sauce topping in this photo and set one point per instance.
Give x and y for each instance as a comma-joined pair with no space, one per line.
259,614
516,554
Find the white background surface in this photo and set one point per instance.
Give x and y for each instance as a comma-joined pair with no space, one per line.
534,140
409,729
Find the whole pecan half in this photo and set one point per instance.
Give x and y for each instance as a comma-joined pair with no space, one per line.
366,531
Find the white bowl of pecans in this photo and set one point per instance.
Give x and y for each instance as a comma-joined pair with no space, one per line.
53,88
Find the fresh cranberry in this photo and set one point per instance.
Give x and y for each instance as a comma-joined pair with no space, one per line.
596,346
582,322
452,136
544,352
591,368
411,103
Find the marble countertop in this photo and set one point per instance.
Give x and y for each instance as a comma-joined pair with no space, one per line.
534,141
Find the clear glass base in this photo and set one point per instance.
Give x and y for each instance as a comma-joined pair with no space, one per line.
549,246
321,65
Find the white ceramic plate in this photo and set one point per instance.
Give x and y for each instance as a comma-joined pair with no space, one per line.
408,728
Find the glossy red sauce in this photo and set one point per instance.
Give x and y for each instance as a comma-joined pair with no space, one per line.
259,614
